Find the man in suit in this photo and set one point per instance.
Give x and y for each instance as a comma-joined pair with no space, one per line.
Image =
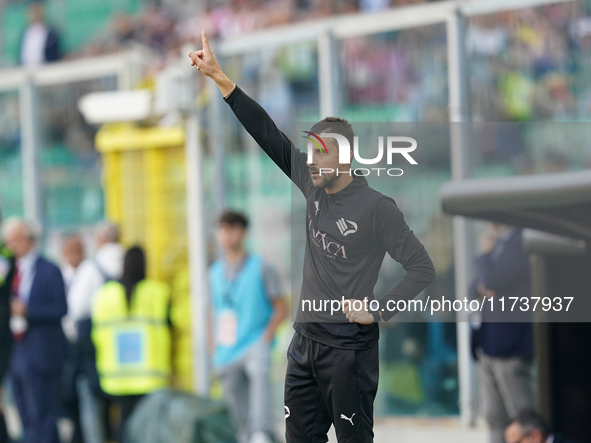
7,268
38,304
503,341
529,427
40,43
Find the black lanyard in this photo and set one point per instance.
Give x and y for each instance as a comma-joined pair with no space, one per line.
227,297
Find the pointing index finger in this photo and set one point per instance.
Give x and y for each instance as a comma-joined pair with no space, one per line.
204,40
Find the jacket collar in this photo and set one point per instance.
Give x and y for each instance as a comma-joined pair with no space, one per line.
358,182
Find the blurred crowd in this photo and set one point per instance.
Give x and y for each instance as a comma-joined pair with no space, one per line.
532,64
163,31
526,65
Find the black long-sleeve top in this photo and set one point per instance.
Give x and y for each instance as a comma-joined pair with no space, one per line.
338,265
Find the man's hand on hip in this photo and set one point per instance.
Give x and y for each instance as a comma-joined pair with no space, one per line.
206,62
361,316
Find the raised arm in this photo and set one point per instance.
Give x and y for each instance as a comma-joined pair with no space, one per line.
206,62
254,118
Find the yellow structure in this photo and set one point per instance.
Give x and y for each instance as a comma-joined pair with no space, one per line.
144,184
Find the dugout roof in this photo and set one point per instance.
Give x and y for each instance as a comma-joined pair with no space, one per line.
558,203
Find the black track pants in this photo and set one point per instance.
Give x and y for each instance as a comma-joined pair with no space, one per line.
326,385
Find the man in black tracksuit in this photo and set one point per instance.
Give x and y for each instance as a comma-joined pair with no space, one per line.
332,369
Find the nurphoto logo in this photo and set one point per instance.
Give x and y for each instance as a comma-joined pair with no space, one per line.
394,145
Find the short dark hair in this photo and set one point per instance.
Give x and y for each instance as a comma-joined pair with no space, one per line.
234,218
529,420
335,124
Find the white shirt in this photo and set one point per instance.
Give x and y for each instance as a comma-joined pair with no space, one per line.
87,280
26,270
68,272
33,49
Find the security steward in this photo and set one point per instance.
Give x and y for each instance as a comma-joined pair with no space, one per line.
132,337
